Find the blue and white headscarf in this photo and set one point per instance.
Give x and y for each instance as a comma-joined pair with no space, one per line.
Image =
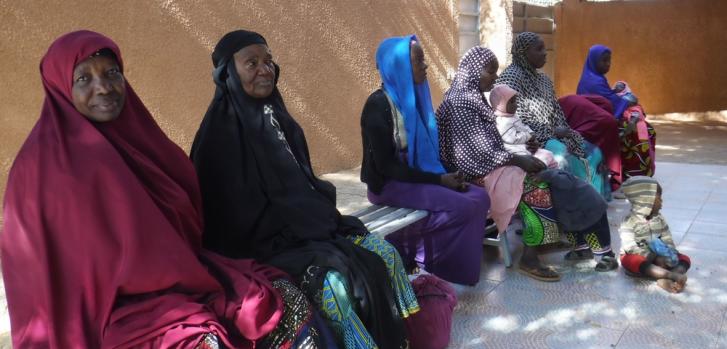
594,83
413,101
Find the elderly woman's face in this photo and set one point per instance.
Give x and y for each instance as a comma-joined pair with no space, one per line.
254,65
536,54
99,89
418,66
488,76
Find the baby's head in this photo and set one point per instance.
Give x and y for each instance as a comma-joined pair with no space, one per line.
644,194
503,99
621,88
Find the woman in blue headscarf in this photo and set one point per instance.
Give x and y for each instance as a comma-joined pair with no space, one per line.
401,168
638,138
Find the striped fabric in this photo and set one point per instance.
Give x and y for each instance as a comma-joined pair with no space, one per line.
637,230
641,193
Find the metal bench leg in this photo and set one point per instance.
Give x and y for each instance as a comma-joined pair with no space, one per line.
505,249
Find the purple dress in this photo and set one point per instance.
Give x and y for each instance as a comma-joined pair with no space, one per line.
446,243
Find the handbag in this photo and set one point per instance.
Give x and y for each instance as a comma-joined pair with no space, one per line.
430,327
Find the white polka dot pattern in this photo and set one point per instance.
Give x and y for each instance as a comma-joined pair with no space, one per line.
537,106
468,138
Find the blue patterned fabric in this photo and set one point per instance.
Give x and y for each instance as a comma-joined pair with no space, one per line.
583,168
414,101
662,249
406,299
338,310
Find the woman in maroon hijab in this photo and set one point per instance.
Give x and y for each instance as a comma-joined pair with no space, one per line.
101,246
590,115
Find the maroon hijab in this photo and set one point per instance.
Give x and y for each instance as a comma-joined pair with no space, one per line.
591,116
102,238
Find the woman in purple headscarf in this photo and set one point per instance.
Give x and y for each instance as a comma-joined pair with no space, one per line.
638,138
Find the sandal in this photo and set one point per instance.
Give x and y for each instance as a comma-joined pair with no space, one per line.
578,255
607,263
539,273
555,246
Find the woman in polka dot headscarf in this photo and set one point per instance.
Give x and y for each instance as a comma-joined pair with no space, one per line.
539,109
471,144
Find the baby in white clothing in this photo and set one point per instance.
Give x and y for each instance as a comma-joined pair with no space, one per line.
515,134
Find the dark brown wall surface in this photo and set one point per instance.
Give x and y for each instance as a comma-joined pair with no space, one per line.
672,52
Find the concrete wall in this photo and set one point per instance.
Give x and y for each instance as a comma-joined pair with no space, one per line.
325,50
672,52
496,28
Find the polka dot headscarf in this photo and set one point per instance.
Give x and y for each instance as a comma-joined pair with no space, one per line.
468,138
537,105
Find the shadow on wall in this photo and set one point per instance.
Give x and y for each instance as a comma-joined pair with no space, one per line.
325,49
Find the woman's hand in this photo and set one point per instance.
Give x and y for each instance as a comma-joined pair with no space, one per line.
528,163
562,132
454,181
532,145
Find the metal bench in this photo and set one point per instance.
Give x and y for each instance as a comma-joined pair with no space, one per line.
384,220
499,241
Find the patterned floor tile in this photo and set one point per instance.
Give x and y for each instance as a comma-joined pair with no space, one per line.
671,213
719,229
711,216
470,298
695,240
722,339
584,337
494,332
690,328
679,224
686,203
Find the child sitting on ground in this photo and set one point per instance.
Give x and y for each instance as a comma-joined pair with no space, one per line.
515,134
647,247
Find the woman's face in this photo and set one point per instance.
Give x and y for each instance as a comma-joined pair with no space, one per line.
254,65
489,75
536,54
418,66
99,88
604,63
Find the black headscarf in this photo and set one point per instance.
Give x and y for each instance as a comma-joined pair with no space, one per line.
262,200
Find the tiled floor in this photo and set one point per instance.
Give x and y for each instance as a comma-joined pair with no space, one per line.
587,309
